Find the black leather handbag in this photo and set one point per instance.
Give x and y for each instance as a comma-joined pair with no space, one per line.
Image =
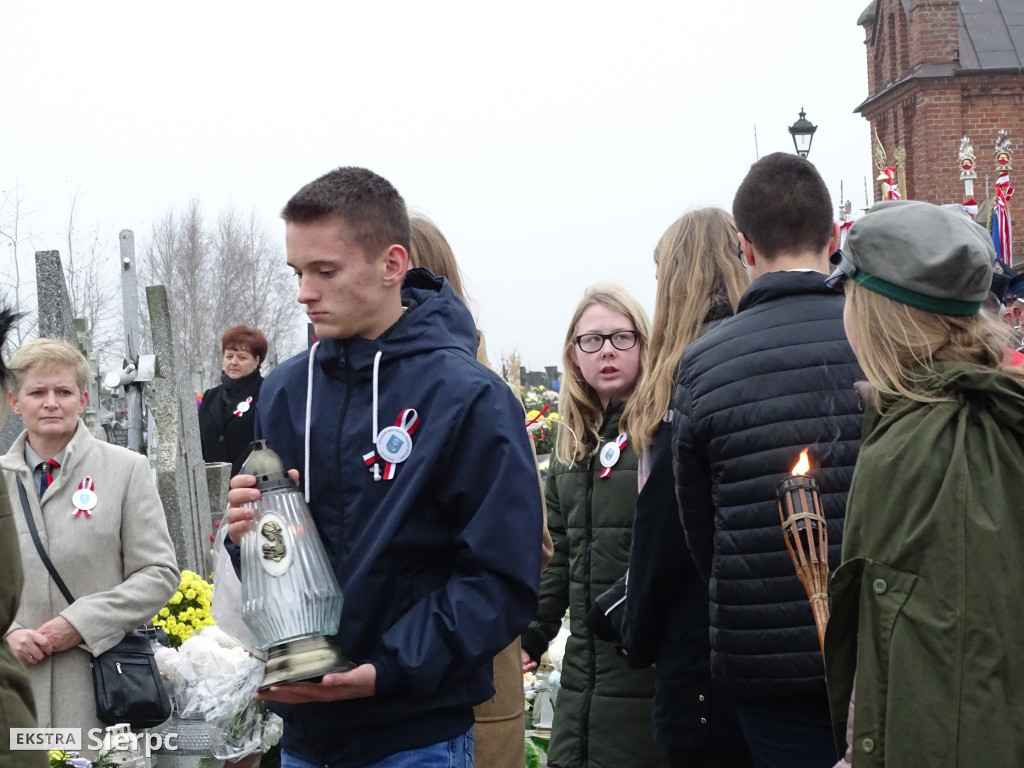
127,684
126,680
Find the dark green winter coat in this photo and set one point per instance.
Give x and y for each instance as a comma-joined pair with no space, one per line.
603,710
15,694
928,604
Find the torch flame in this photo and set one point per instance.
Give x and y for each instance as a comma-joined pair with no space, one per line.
803,465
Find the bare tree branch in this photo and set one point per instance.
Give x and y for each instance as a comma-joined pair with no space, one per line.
218,277
13,238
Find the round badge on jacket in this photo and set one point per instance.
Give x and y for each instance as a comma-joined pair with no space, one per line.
84,499
609,455
394,444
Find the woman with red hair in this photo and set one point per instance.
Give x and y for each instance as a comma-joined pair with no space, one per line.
227,413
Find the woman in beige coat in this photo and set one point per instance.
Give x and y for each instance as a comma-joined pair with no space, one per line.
112,550
499,729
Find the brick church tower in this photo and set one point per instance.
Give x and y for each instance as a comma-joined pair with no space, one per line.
939,70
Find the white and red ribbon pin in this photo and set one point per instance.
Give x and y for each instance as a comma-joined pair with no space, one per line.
610,454
243,406
84,498
393,445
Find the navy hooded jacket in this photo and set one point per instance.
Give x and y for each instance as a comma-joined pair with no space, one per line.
439,566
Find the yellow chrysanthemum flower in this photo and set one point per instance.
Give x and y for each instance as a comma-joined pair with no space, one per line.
187,610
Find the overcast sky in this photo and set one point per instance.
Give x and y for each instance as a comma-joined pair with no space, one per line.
552,142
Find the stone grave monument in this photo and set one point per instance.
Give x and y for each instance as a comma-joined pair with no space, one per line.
180,471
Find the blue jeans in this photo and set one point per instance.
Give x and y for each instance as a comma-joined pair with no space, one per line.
457,753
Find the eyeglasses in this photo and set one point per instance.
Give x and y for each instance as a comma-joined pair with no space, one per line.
594,342
739,255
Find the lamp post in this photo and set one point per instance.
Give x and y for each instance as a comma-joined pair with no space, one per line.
802,132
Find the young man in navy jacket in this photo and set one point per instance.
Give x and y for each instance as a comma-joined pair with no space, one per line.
437,551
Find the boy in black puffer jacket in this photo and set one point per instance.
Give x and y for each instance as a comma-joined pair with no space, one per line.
751,395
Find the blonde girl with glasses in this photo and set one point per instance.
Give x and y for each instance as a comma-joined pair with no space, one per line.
603,710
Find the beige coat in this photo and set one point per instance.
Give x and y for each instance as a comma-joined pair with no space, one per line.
119,564
500,730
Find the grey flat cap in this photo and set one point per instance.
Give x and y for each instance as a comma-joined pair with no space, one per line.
918,254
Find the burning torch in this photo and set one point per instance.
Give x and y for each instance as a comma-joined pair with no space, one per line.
803,525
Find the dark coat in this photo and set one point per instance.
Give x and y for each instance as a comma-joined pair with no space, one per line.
439,565
752,393
665,619
16,707
224,435
927,607
603,709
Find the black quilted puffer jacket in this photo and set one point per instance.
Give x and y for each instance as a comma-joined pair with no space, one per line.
751,395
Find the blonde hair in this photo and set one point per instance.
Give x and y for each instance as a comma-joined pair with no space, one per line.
697,269
49,355
895,342
430,250
579,406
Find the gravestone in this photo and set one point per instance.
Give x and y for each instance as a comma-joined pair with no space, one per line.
180,471
133,341
218,479
56,319
91,416
12,427
535,379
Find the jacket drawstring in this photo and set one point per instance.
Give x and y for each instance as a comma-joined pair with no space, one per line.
309,411
376,380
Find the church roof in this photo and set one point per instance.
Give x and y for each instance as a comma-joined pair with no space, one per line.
991,37
991,34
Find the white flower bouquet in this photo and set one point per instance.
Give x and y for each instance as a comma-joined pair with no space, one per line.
213,677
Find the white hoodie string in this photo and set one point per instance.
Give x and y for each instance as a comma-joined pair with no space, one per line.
309,407
376,370
309,411
376,379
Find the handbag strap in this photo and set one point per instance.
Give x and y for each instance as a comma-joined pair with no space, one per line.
39,545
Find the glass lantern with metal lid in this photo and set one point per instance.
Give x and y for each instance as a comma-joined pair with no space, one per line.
291,600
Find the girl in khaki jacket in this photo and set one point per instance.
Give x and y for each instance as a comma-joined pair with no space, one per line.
16,708
927,610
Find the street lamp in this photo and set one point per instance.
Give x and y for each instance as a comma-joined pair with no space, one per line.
802,132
